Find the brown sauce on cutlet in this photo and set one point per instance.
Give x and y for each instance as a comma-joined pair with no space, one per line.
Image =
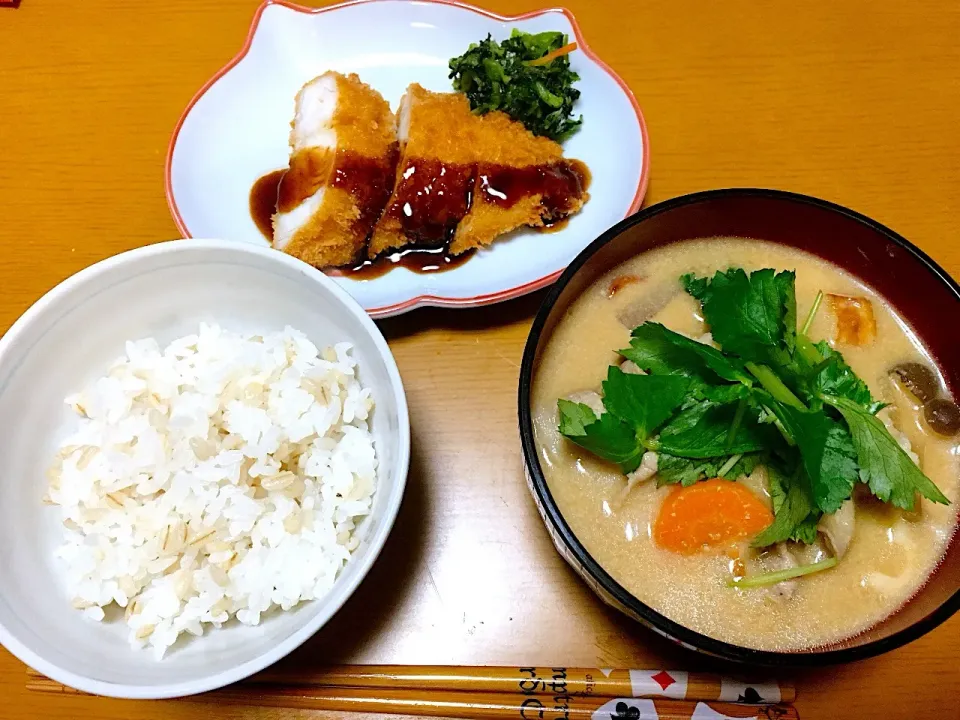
552,226
309,171
263,201
369,180
431,199
559,185
421,260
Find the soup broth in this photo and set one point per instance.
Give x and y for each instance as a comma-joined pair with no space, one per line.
891,553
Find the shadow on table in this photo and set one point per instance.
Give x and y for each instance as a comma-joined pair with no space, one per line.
501,314
366,613
662,652
624,643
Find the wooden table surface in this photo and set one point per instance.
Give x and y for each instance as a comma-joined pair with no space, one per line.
857,102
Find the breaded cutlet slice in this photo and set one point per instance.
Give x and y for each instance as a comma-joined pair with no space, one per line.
343,155
435,174
522,181
467,178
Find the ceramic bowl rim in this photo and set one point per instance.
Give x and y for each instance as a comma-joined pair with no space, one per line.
377,538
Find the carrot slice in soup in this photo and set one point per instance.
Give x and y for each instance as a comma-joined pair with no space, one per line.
708,514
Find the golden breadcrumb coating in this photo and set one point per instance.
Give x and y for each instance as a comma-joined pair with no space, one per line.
363,120
347,183
440,129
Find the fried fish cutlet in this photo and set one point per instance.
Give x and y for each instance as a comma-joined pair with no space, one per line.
466,179
343,156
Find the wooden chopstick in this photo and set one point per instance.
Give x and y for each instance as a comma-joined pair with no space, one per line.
545,681
486,706
467,705
483,692
529,682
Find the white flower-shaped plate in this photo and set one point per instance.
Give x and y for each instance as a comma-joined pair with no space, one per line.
235,130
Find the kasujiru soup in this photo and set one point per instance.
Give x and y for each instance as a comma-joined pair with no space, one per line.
707,552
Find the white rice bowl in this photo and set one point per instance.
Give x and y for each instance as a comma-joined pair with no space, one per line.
221,477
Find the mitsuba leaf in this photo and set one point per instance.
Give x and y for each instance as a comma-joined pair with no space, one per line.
834,377
608,437
769,395
786,289
806,532
643,401
744,466
795,518
884,466
686,471
748,314
574,417
721,394
702,431
673,470
827,451
695,286
660,351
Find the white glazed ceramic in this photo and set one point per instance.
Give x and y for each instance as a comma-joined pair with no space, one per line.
67,339
235,130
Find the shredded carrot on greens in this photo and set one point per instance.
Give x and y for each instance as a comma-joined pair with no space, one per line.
551,56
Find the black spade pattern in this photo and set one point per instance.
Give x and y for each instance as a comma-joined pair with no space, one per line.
626,712
750,695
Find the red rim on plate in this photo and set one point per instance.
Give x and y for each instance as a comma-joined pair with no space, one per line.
435,300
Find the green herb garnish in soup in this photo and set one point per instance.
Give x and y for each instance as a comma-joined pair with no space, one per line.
767,390
527,76
757,429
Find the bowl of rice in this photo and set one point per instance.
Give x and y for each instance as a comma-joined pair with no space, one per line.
206,445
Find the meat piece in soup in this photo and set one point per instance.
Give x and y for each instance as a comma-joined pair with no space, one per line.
726,465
